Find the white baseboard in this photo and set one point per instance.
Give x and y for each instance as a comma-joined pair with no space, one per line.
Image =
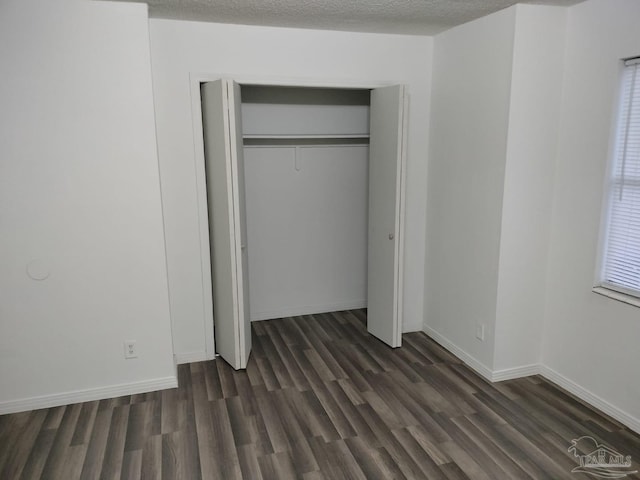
472,362
77,396
537,369
190,357
307,310
591,398
515,372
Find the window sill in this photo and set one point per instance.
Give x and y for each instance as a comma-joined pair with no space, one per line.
621,297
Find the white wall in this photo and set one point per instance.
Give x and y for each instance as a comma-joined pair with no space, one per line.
536,87
589,339
306,229
79,192
179,48
562,89
470,114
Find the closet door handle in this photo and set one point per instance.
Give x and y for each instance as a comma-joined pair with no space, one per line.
391,236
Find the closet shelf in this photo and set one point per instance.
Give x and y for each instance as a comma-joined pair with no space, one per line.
302,136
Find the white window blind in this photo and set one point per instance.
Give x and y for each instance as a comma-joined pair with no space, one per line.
621,259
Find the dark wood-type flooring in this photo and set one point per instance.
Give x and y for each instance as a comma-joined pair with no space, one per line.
321,399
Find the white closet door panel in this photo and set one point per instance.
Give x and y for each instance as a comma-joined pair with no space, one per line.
385,214
307,228
242,244
225,230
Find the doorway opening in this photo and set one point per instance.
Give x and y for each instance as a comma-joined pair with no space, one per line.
305,195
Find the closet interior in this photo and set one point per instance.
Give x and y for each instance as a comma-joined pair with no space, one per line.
306,163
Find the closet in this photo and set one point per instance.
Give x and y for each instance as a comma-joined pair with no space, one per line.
305,204
306,154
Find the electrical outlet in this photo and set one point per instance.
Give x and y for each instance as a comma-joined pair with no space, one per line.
130,349
480,331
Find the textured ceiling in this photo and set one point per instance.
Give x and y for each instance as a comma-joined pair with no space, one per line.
420,17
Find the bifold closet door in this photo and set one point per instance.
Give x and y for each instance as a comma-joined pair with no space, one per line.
386,198
224,165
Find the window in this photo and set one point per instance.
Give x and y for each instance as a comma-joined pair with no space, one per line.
621,253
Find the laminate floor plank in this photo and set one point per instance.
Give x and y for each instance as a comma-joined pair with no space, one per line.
74,460
418,455
429,444
321,399
114,453
179,461
54,417
271,353
326,459
132,465
388,441
352,371
466,463
362,430
39,454
84,425
249,465
521,456
284,350
151,468
212,381
225,456
138,428
225,373
321,420
453,472
97,445
301,454
60,454
467,432
21,445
